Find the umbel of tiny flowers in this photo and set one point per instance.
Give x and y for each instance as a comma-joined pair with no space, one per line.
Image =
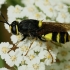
33,54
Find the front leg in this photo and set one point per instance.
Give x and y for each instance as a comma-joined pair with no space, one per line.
23,37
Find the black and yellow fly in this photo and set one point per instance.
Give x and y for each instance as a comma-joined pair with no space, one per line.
51,31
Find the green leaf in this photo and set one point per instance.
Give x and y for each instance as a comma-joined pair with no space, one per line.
69,9
1,63
14,2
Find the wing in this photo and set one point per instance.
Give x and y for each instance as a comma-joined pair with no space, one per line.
48,27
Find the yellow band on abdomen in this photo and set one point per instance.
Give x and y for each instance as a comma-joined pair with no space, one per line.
47,36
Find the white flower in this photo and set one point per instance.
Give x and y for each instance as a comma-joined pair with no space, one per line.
28,2
42,3
65,65
24,67
4,49
54,2
47,8
47,56
2,2
15,11
63,53
49,11
42,54
24,46
63,17
31,55
66,1
29,10
61,1
38,46
16,38
35,64
50,57
7,27
25,60
24,49
38,16
13,58
61,7
67,45
54,66
3,68
25,42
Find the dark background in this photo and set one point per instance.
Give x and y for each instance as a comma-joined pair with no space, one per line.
4,35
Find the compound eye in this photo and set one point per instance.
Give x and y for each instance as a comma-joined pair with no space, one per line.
14,28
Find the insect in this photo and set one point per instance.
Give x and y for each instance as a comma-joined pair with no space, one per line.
51,31
45,31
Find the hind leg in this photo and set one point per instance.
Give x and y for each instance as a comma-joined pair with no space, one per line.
42,39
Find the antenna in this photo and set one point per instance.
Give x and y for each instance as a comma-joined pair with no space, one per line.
4,19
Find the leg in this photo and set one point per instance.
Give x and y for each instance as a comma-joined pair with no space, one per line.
30,46
21,40
23,37
41,39
56,43
49,48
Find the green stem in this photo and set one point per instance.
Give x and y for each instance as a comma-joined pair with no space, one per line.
15,68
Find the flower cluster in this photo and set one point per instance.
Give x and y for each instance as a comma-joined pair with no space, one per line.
33,54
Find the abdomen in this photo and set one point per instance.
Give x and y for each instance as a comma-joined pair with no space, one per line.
60,37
